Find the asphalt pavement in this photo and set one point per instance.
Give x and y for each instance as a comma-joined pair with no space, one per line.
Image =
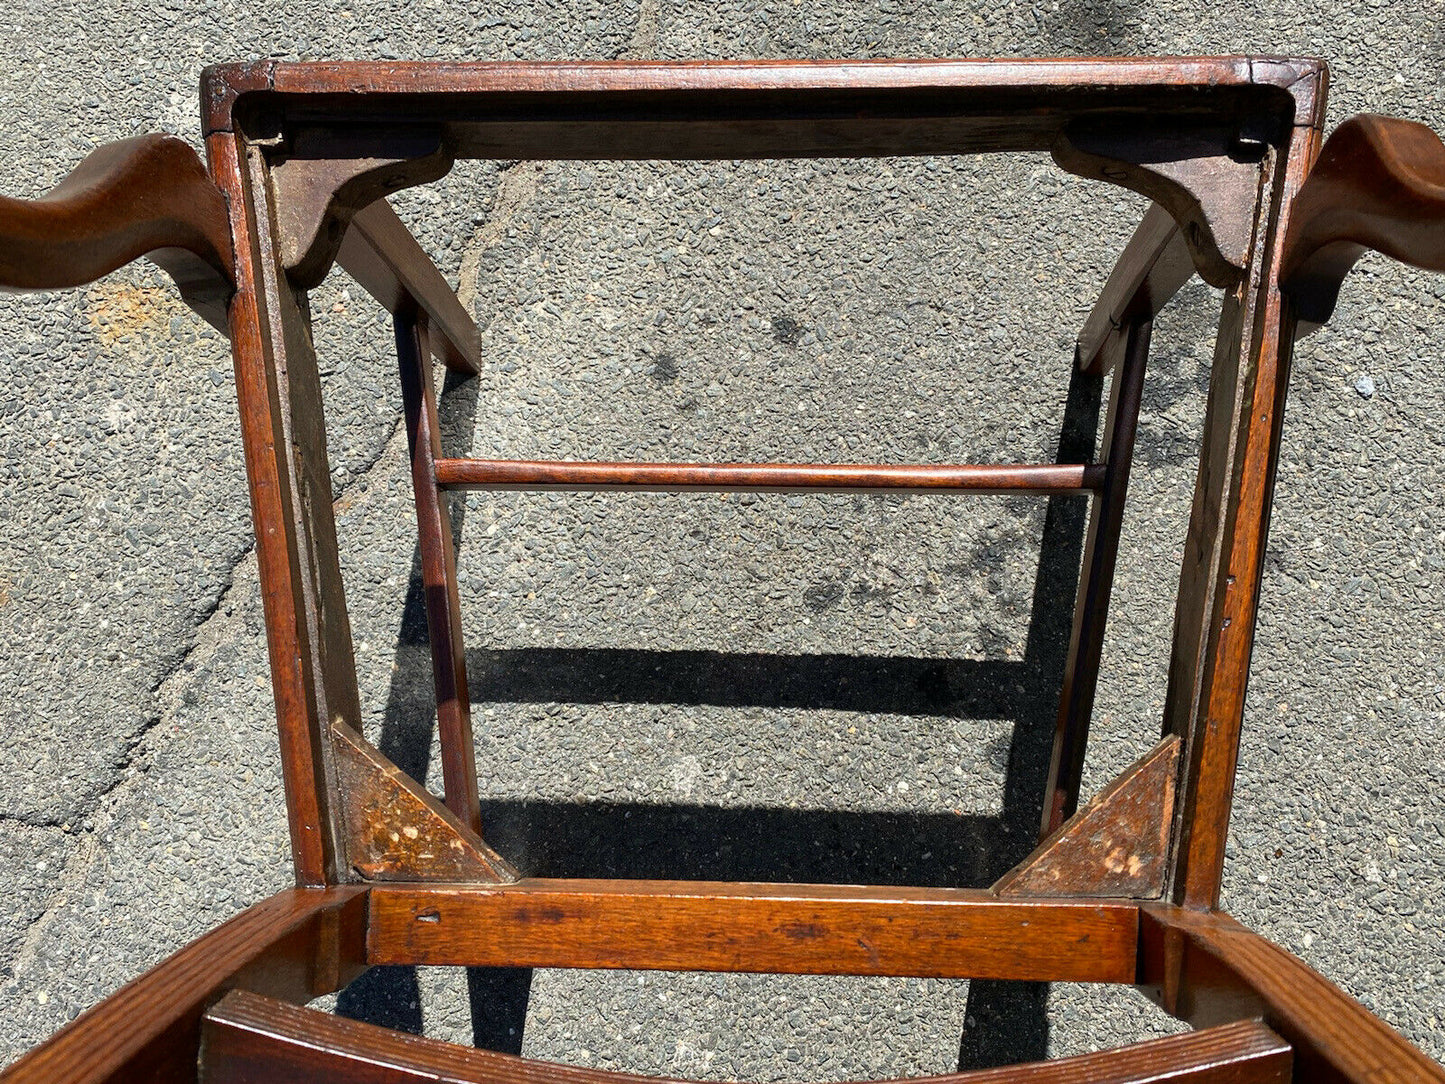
767,687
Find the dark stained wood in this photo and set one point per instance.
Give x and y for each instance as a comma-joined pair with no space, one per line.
145,196
1182,131
752,109
1206,968
284,434
1379,183
380,253
439,572
269,473
321,182
1096,585
250,1038
1117,845
393,830
1205,176
1224,548
298,944
727,926
1153,267
766,477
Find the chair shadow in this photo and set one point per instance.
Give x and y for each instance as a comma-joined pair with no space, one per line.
1006,1022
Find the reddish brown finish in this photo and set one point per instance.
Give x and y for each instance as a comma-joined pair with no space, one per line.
1224,550
298,944
250,1038
439,573
766,477
1379,184
146,196
727,926
380,253
1152,268
268,469
1117,845
1156,126
393,830
1207,968
1096,585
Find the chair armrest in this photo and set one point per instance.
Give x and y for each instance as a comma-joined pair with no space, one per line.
146,196
1378,183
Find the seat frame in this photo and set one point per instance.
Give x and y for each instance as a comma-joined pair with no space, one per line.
1124,890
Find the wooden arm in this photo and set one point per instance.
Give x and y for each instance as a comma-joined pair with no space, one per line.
1151,269
147,196
1379,183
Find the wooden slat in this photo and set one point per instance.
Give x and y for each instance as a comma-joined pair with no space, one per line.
277,511
766,477
298,944
1206,968
1153,267
250,1038
380,253
792,929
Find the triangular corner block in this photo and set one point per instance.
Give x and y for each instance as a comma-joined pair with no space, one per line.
1117,845
395,831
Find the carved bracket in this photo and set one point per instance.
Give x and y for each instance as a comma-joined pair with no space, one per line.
395,831
323,178
1117,845
1206,177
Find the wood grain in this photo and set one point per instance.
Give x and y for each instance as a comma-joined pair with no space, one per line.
1379,183
728,926
1206,968
145,196
298,944
250,1038
1117,845
766,477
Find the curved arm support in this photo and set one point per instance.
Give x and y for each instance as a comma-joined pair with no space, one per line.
1379,183
146,196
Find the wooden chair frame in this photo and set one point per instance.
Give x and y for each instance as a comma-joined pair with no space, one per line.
1124,890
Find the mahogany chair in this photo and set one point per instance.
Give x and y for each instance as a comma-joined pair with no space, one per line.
1124,890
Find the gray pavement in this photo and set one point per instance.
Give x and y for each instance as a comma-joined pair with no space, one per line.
821,310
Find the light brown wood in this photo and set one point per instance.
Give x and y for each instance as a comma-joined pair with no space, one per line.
298,944
728,926
1117,845
1206,968
250,1038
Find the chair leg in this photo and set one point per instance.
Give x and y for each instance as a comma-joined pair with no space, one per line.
1091,611
439,572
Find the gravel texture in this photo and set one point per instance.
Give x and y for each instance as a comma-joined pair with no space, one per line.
764,687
